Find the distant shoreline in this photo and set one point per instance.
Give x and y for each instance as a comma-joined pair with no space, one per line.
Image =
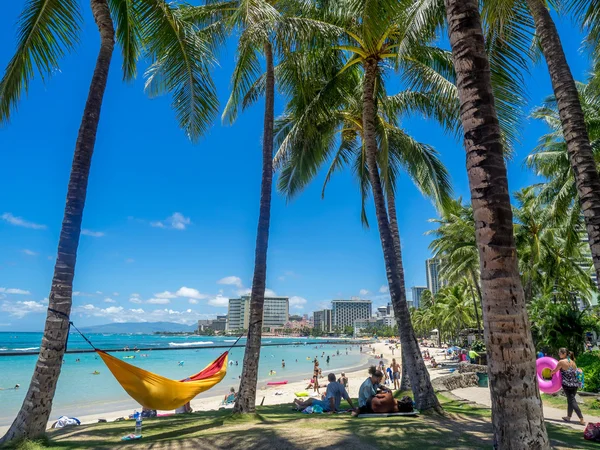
334,341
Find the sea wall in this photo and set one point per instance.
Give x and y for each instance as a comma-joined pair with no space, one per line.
454,381
465,367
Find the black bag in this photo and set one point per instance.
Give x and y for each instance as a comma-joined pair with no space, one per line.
405,404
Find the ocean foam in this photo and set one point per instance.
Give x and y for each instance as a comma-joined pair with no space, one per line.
189,344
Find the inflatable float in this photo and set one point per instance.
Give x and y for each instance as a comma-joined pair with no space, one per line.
543,367
276,383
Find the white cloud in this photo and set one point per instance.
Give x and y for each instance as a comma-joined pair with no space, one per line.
282,278
270,293
29,252
109,300
99,292
193,301
297,302
14,291
82,294
116,294
21,309
87,232
363,292
165,294
135,294
190,293
20,222
384,289
129,260
135,300
219,301
232,280
45,300
248,291
158,301
177,221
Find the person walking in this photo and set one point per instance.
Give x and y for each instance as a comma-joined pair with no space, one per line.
316,372
570,382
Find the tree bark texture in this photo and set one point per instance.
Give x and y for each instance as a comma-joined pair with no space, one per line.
517,418
474,279
572,119
421,384
32,418
246,401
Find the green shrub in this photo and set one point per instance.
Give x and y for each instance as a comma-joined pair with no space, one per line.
478,346
589,362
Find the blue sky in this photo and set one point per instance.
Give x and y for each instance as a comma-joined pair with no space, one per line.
170,226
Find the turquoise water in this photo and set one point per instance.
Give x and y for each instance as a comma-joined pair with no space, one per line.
79,392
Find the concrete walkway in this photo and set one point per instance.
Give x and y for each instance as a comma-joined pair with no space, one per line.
553,415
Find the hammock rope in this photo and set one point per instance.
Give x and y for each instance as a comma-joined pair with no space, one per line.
154,391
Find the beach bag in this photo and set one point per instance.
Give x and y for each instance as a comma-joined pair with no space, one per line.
592,432
405,404
580,378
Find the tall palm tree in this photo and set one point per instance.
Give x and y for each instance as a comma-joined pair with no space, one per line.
579,148
179,64
348,100
267,29
517,417
456,248
549,159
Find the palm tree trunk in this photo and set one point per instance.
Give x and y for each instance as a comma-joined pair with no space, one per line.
474,278
517,418
573,125
391,207
421,384
246,401
32,419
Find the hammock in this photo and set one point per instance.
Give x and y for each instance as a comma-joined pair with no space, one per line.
156,392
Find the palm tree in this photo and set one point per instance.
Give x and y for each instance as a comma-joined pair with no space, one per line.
455,246
571,114
549,159
346,99
517,417
267,29
179,57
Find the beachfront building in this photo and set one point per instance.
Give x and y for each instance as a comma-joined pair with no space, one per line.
432,270
322,320
417,291
345,312
362,325
218,324
275,313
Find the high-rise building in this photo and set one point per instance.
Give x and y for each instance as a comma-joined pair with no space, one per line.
322,320
432,269
275,312
345,312
417,291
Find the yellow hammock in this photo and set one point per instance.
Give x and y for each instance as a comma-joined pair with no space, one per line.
155,392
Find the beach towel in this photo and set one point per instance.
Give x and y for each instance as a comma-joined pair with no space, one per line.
64,421
370,416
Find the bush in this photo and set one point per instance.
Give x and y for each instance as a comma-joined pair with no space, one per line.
478,346
589,362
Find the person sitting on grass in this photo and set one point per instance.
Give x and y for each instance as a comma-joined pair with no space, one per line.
332,399
369,389
343,380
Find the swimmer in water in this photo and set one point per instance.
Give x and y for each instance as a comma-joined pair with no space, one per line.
180,363
17,386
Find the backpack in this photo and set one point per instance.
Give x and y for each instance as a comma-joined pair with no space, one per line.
405,404
580,378
592,432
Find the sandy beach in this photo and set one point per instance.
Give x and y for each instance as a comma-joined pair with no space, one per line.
269,395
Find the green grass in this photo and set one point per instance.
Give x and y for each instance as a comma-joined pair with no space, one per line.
466,426
590,407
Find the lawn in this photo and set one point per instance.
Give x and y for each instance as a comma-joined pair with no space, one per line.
591,405
279,428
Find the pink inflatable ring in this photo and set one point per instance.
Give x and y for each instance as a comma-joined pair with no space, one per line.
555,383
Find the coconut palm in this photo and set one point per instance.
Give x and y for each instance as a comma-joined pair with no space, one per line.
456,248
346,99
179,59
549,159
267,30
517,417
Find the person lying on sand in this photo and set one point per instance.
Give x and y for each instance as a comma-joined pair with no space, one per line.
333,397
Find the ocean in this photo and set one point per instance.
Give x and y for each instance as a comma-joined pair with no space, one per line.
80,392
